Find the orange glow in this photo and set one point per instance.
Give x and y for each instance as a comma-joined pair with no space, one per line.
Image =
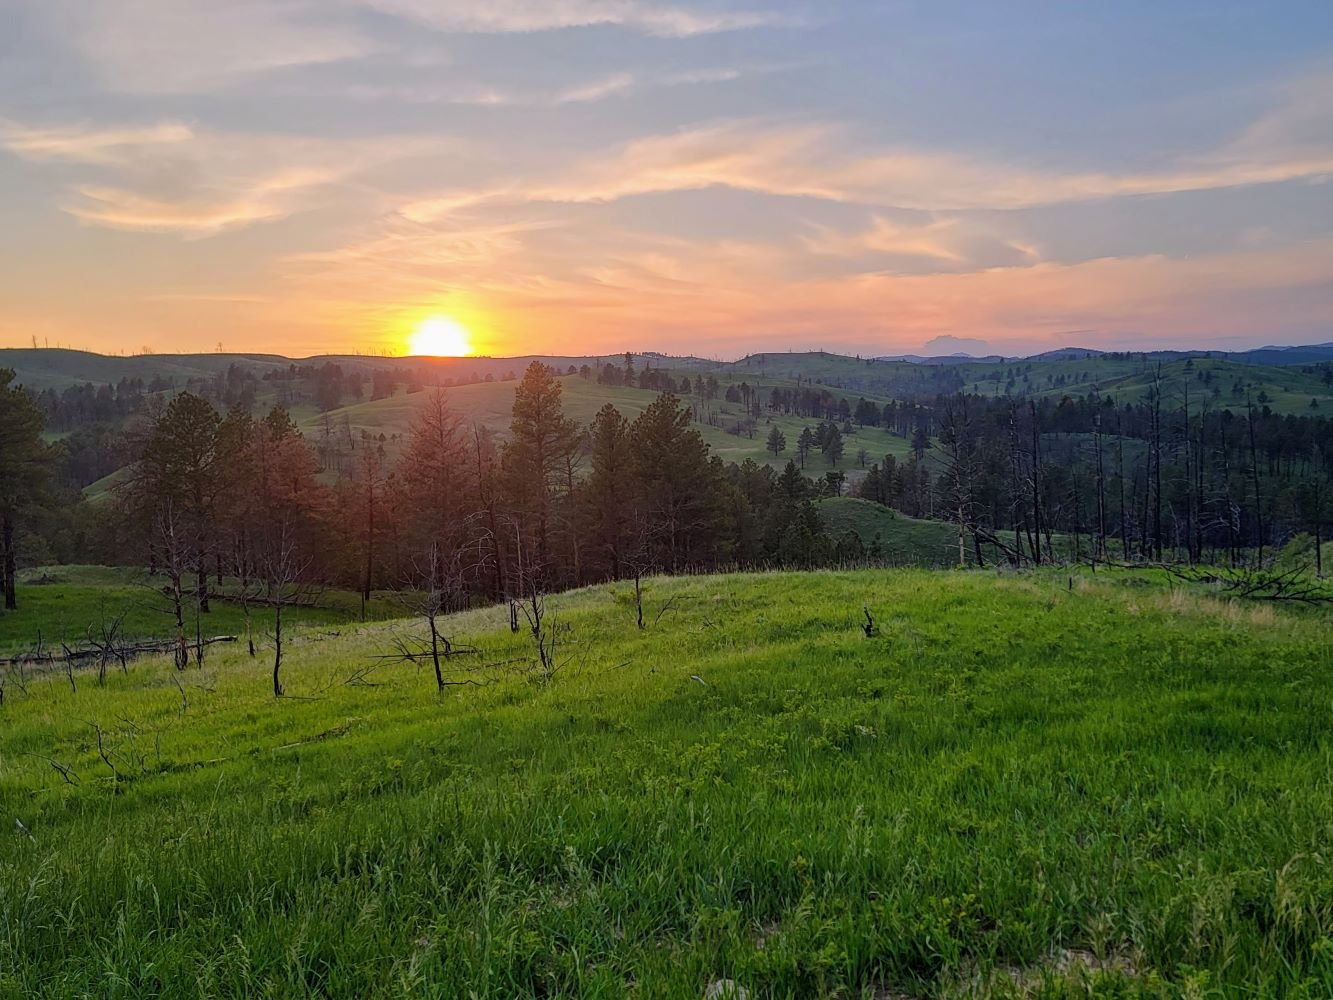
441,337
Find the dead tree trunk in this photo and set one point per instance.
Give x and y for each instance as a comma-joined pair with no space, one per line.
277,650
1101,489
1254,474
1036,483
9,558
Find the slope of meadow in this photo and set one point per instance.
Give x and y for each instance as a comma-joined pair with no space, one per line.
1020,785
490,404
1229,384
903,540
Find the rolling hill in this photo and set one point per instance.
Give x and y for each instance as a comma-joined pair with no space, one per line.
489,404
1289,378
1016,785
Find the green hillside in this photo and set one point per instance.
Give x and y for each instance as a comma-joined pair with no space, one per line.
1225,384
903,540
490,404
1222,385
58,368
1014,787
910,541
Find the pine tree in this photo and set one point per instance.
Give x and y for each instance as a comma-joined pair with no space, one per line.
803,445
181,478
674,480
832,445
535,460
608,493
777,441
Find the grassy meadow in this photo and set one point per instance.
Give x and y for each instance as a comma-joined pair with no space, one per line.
64,603
1020,785
903,540
490,404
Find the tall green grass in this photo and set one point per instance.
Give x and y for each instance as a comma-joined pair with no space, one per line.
751,789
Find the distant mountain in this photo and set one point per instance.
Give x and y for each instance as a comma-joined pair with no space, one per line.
1066,354
1309,354
1272,356
942,359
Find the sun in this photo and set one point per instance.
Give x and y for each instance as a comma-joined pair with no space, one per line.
441,337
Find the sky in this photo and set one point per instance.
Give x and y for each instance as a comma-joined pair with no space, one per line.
689,176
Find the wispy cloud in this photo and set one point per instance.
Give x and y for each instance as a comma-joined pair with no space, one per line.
824,162
173,178
1210,296
193,46
200,214
588,91
671,20
933,240
89,145
415,257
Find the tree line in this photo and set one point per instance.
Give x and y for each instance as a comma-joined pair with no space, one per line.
1167,478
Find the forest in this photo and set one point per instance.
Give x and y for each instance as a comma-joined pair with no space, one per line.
207,481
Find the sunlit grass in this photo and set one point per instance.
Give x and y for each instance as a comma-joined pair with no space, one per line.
750,789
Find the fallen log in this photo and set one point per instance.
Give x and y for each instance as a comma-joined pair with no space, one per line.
82,653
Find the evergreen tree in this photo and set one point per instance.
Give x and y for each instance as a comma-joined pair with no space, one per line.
803,445
777,441
920,442
832,445
436,479
607,495
674,481
181,477
535,461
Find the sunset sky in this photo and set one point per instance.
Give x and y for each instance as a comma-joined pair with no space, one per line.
584,176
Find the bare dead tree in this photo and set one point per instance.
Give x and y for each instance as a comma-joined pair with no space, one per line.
1017,502
960,473
104,752
1155,464
64,770
109,643
95,649
1294,586
544,630
531,602
170,551
1254,476
442,588
69,668
284,569
1120,476
640,562
1036,483
640,557
1101,489
246,595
